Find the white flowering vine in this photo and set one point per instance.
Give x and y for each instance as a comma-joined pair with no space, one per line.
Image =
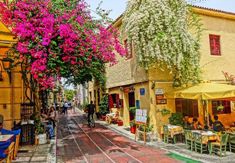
161,34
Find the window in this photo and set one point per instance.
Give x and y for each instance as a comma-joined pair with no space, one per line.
225,104
187,107
215,44
114,101
128,48
131,99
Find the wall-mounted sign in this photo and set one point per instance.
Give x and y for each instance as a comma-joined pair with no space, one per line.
141,116
160,99
159,91
142,91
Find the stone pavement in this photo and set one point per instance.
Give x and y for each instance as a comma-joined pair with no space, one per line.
37,153
178,148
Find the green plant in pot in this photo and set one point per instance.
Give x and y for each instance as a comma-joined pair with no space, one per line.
176,119
39,128
103,107
133,126
148,128
132,111
220,107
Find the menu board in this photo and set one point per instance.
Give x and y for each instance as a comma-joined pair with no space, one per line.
141,116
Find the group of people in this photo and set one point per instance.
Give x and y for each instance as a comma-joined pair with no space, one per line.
66,105
48,118
215,125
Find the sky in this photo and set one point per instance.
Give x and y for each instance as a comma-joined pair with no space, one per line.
118,6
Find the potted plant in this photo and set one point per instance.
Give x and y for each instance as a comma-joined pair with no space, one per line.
176,119
145,129
132,111
132,127
40,134
103,107
120,122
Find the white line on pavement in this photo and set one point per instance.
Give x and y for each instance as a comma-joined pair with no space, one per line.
95,143
78,145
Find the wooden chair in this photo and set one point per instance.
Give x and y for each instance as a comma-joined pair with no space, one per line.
189,141
167,136
10,153
231,142
16,146
199,145
219,146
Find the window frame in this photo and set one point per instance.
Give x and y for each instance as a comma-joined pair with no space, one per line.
215,42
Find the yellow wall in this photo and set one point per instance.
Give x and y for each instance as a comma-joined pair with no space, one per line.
144,99
11,94
123,74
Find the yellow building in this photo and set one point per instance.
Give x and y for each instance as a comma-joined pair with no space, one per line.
11,92
129,85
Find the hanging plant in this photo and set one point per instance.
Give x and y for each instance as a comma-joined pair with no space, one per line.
159,31
220,107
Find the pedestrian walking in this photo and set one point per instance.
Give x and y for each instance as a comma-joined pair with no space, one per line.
65,107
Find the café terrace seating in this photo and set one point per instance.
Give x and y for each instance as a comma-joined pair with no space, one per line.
204,141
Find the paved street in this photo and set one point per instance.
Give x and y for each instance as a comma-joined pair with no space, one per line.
76,142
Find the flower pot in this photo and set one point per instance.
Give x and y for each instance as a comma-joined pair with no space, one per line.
133,129
120,123
42,138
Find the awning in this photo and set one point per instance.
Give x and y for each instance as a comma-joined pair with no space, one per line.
207,91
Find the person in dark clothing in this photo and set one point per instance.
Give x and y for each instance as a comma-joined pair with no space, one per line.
217,125
91,111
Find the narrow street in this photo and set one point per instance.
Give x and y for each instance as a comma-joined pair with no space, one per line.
76,142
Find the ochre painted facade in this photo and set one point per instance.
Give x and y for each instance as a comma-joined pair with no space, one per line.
127,73
11,94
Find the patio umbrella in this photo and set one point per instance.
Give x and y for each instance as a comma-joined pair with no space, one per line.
206,91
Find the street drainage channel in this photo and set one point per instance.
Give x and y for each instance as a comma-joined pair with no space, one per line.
181,158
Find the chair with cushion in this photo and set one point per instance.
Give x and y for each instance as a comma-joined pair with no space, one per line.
7,155
199,144
167,135
219,146
189,139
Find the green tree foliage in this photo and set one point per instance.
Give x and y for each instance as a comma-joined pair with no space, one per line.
69,94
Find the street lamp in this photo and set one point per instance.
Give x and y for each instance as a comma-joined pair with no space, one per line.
7,66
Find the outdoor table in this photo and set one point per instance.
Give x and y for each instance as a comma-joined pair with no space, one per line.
5,138
207,136
175,130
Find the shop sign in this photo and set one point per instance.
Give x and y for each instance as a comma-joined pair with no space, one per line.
141,116
159,91
160,99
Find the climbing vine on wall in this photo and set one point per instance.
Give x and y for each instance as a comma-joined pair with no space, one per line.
165,33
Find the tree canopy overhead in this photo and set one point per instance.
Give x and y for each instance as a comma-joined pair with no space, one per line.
160,33
59,38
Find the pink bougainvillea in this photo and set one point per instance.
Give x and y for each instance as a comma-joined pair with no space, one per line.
58,42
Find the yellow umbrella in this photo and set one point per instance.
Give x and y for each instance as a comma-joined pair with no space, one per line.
206,91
